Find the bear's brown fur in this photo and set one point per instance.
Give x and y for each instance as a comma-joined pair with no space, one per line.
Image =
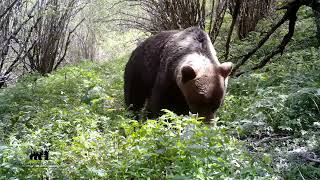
176,70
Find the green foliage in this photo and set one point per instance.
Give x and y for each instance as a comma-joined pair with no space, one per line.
53,111
185,148
282,99
77,113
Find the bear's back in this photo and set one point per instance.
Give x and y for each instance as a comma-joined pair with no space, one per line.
145,59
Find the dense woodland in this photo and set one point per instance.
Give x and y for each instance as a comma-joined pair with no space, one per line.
61,91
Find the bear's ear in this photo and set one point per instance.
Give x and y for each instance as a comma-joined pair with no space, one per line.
225,69
187,74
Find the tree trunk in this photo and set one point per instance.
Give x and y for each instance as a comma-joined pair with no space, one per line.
317,21
252,11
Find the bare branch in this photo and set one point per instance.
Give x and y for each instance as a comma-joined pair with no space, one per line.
167,14
260,44
220,13
236,11
311,159
8,9
67,45
291,16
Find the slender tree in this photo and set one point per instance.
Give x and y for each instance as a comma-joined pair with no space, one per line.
317,21
166,14
14,35
52,35
35,35
219,11
251,12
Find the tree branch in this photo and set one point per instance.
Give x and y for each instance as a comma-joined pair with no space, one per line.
290,15
311,159
236,11
8,9
260,44
286,39
220,12
67,45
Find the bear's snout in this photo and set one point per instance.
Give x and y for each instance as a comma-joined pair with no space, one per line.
205,111
208,117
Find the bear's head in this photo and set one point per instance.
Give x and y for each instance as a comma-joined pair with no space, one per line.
203,83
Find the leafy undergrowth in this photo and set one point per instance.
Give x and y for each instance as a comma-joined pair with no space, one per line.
277,111
77,113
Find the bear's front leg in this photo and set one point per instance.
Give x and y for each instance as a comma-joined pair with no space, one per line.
158,98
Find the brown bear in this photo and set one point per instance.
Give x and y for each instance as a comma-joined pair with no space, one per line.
176,70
